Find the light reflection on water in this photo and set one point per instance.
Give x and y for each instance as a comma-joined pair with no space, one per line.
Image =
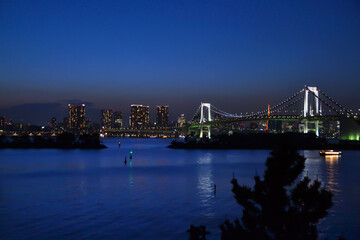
131,179
328,175
332,173
55,194
328,170
332,184
206,183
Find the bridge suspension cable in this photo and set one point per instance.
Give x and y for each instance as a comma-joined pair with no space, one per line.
272,109
328,105
334,102
196,113
289,105
279,105
221,112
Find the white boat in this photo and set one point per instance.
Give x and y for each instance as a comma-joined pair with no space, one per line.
329,152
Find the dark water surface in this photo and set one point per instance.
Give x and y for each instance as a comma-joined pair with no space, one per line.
83,194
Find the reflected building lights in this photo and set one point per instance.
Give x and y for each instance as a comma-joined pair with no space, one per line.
131,180
332,173
206,184
325,169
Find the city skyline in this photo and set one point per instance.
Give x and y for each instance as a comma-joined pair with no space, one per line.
309,110
241,56
95,115
106,117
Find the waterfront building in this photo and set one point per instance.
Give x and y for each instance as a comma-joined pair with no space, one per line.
19,127
76,117
117,120
53,123
162,116
139,116
275,126
9,126
65,124
106,118
89,127
2,123
181,121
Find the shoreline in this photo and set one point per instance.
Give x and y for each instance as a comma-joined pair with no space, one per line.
46,147
256,141
62,141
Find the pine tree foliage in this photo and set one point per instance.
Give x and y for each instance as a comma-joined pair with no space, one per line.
279,206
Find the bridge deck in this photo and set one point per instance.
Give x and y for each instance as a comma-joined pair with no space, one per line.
271,117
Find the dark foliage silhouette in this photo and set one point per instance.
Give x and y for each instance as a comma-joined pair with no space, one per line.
280,206
197,233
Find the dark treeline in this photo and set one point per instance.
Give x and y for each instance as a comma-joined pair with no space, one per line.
63,141
263,141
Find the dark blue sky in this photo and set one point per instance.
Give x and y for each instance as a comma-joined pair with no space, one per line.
238,55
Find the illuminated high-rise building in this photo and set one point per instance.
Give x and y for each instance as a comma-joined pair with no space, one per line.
106,118
181,120
139,116
162,116
117,120
76,117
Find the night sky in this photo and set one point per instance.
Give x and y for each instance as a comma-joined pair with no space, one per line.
238,55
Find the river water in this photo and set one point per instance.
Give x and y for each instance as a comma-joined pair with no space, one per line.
92,194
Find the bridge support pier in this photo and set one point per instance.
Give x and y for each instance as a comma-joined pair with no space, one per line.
205,131
306,128
317,128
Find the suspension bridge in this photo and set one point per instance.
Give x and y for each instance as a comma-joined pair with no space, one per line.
310,107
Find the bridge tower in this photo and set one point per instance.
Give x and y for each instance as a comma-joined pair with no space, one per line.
308,106
309,101
204,128
202,115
